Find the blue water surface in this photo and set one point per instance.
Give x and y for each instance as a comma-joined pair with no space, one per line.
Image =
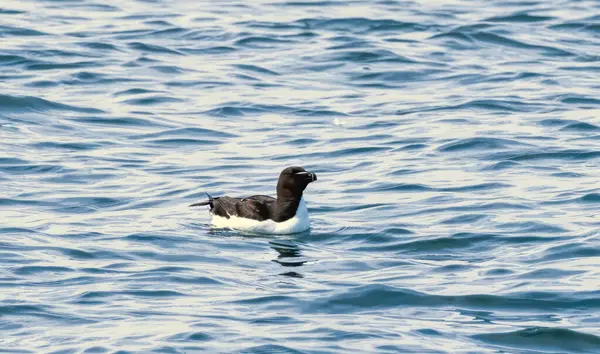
457,145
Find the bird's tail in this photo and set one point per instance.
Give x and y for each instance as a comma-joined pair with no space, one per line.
207,202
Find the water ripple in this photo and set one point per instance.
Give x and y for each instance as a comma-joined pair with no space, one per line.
455,144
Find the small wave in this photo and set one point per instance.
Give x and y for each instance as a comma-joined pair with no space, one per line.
550,273
544,339
411,147
134,91
311,3
60,54
360,150
9,60
318,113
439,244
11,12
591,198
59,66
569,125
151,238
7,31
97,7
115,121
12,161
42,84
256,69
502,165
388,187
362,56
576,155
29,270
36,104
285,26
270,349
376,137
21,202
31,169
134,293
188,337
498,272
79,178
197,280
360,25
453,268
568,175
236,109
387,78
16,230
397,231
479,144
349,208
89,77
504,106
153,48
257,42
302,142
100,46
371,297
81,146
454,244
563,198
81,205
464,219
474,207
475,187
149,101
180,142
582,68
501,77
198,83
171,32
578,26
580,101
221,49
41,311
520,18
168,69
264,300
186,132
533,227
470,37
582,127
568,251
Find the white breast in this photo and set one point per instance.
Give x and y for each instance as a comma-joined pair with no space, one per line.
298,223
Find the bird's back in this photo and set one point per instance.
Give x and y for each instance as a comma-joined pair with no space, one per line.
256,207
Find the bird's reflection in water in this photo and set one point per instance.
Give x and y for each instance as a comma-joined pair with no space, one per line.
289,255
292,275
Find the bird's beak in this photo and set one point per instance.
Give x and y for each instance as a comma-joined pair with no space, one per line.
311,177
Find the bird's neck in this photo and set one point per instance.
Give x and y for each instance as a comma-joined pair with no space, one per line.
285,208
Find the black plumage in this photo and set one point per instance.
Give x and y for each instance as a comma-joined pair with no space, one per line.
290,187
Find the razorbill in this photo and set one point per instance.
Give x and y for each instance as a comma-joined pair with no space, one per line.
286,214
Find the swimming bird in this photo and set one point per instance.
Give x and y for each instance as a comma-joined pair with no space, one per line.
286,214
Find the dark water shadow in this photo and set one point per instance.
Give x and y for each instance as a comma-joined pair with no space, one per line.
289,253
